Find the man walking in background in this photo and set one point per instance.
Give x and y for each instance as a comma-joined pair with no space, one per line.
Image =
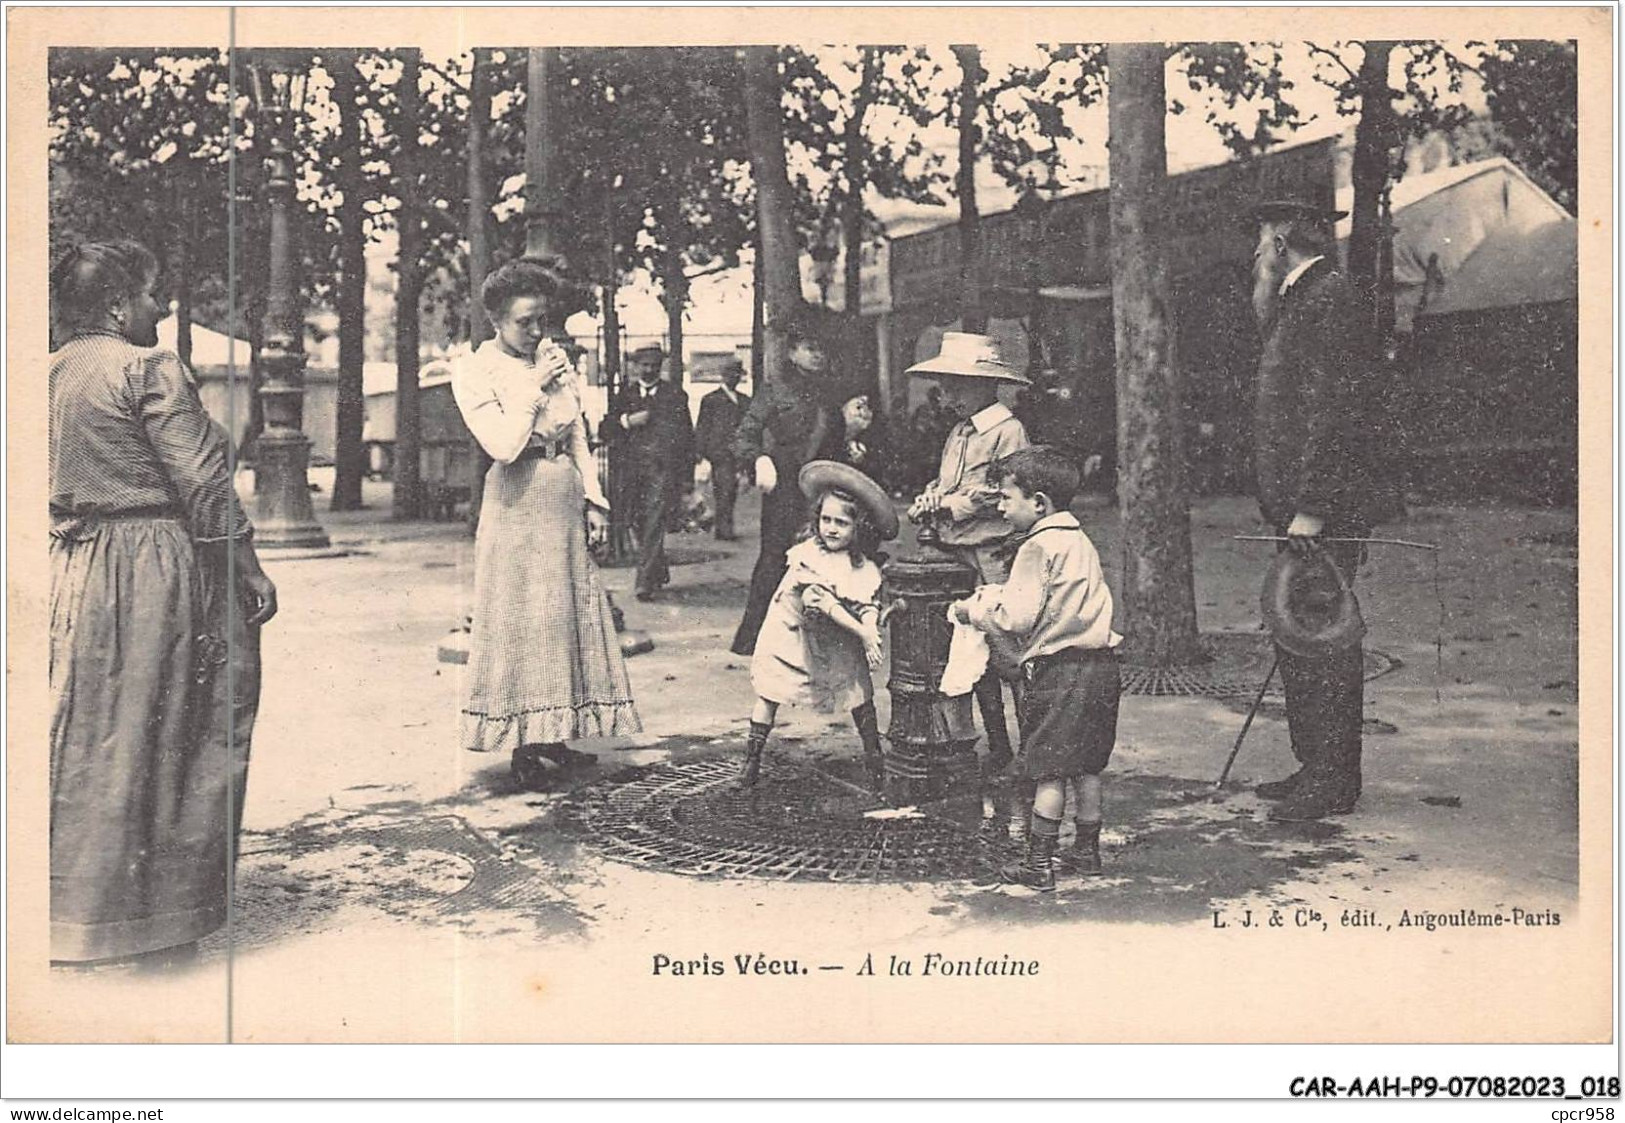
655,439
720,413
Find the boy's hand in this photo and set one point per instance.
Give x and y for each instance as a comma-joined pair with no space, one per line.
959,505
925,503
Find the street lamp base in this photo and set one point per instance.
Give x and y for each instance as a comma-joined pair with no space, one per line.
285,535
283,515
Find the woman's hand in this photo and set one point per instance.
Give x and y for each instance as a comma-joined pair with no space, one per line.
959,612
767,476
597,528
259,595
552,363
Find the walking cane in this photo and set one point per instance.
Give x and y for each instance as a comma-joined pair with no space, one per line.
1246,725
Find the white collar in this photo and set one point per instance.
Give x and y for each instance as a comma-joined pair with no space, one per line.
995,414
1063,519
1298,270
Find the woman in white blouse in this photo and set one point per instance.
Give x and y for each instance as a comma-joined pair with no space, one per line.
544,664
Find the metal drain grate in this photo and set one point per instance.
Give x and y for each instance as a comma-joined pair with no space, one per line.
1237,668
798,824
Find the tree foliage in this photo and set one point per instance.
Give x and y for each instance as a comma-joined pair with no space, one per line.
1532,88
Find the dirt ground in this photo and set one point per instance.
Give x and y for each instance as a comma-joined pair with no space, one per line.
374,850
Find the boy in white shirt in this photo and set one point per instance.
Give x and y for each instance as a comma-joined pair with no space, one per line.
1056,612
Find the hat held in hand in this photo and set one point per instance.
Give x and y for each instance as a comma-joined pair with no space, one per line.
1309,607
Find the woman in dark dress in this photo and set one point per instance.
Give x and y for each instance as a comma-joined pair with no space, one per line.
156,602
790,421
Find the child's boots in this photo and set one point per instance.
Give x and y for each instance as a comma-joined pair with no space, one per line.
1036,870
1083,858
751,770
874,758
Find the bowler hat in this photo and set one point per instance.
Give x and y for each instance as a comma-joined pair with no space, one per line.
648,351
1309,607
831,475
1275,210
970,356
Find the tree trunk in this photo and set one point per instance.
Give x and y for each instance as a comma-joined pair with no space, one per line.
542,134
248,447
186,208
1156,594
408,497
780,253
972,310
612,311
1373,140
856,153
758,315
479,251
674,295
349,455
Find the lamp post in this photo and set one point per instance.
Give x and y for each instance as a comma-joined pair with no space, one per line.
283,515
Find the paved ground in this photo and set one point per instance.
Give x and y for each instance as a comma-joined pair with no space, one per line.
374,851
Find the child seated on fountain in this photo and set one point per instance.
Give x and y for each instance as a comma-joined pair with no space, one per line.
1055,611
968,373
821,636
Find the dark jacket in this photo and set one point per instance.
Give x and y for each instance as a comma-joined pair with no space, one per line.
666,444
718,422
1320,448
789,421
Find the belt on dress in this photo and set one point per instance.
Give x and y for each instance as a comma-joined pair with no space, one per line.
73,526
542,450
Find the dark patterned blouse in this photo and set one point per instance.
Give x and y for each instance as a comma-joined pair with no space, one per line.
129,435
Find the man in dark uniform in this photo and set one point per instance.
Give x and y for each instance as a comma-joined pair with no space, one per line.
654,440
1317,444
790,421
720,414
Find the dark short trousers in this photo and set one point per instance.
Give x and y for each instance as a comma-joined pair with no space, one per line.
1068,707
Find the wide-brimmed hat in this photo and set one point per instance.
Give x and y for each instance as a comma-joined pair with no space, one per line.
970,356
1274,210
1309,607
818,476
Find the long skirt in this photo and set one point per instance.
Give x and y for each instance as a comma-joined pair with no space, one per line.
784,513
154,692
544,663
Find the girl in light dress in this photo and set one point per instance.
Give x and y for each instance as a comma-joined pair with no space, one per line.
821,636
